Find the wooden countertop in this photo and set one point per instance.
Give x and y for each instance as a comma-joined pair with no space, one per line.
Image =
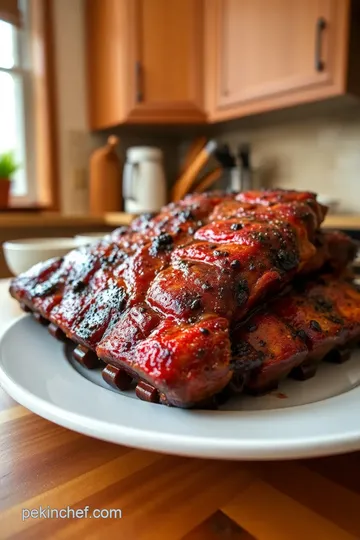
162,497
343,221
116,219
336,221
13,220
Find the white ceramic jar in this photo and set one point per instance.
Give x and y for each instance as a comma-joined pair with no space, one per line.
144,184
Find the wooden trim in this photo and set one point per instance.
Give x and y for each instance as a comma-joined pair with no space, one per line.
222,60
342,15
211,53
9,12
44,104
182,112
28,208
197,77
50,84
15,220
136,53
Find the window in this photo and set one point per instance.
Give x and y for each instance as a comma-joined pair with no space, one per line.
15,104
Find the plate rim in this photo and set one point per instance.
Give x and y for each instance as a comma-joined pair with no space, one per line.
181,444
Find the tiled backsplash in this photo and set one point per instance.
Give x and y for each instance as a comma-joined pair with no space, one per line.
321,154
303,149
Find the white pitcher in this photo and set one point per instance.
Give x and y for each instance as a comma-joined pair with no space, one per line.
144,185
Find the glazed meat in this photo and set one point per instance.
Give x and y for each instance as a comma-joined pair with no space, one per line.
159,299
317,320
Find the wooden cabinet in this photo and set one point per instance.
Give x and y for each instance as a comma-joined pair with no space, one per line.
144,61
264,55
193,61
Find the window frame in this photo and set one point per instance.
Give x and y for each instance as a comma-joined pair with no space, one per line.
22,69
35,49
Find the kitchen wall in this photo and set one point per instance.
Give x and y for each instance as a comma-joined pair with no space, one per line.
73,134
306,149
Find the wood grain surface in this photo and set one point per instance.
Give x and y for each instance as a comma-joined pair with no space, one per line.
162,497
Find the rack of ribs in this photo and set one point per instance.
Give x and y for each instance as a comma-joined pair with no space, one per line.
164,300
316,320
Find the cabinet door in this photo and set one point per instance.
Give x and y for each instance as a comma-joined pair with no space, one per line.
262,54
144,61
108,48
168,61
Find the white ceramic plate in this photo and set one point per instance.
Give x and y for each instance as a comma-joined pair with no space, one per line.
317,417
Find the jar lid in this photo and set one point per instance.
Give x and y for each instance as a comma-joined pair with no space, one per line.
139,153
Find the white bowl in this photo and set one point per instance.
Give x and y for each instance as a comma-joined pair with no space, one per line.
20,255
89,238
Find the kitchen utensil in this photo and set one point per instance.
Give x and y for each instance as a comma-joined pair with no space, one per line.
195,147
105,191
187,179
208,180
225,157
246,177
230,179
144,182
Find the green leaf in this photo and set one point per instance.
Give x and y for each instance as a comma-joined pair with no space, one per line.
8,165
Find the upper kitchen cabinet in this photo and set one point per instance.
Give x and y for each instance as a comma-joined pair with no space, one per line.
144,61
264,55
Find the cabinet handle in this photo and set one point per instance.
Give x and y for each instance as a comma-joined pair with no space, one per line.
139,96
320,27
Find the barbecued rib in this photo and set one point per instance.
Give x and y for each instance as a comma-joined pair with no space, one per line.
158,298
298,329
147,243
184,352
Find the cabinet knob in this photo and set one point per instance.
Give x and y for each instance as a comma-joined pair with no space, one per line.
320,27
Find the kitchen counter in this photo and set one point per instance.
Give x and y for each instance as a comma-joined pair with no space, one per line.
162,497
336,221
345,222
13,220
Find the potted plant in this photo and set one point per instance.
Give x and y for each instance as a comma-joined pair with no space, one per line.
8,167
